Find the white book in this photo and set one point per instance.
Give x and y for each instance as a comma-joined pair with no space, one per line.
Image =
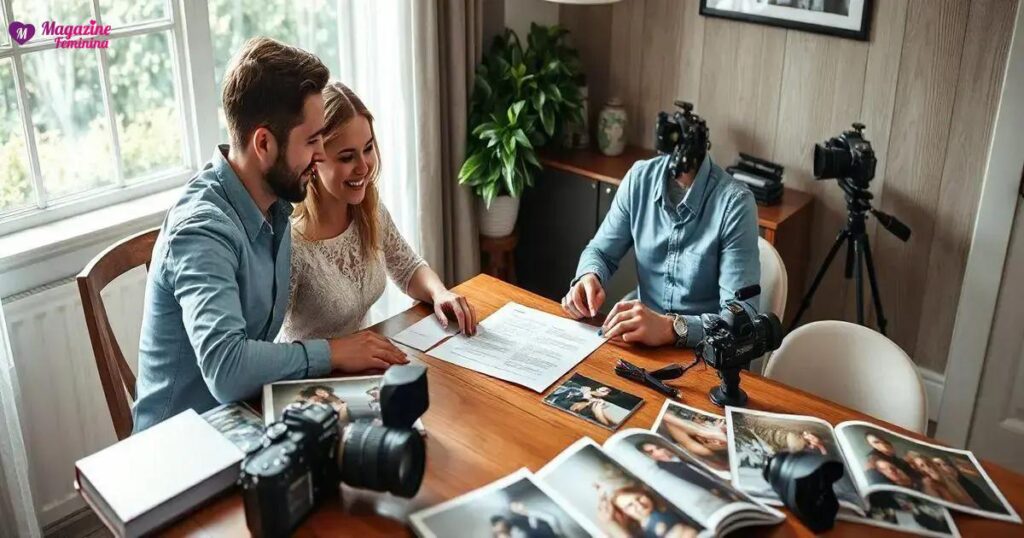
147,480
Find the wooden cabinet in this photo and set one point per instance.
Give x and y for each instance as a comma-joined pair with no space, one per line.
560,215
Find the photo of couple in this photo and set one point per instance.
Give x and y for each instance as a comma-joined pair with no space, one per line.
906,513
593,401
888,461
514,507
701,435
354,398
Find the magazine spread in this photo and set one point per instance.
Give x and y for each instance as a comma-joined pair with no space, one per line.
701,435
637,484
885,461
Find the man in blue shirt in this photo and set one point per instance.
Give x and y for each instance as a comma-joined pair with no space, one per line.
218,281
695,237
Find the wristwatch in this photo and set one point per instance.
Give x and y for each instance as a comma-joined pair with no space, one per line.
679,327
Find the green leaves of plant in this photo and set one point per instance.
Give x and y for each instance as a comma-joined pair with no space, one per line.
521,99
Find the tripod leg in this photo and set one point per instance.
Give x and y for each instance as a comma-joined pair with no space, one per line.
806,301
851,257
858,271
875,297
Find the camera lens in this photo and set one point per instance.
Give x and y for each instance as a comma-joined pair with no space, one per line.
830,162
804,483
383,459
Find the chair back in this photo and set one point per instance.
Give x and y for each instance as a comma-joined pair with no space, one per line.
856,367
116,375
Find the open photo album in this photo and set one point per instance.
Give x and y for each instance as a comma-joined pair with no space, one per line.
889,480
637,484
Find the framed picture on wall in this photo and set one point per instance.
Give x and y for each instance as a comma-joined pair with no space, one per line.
843,18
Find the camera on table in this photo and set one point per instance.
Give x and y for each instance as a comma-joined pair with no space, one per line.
848,155
733,339
307,454
684,136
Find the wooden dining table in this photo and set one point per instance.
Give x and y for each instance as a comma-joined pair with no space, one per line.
480,429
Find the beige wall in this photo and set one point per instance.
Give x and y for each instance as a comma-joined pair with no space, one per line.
926,85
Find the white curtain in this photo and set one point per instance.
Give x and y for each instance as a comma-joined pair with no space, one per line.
17,511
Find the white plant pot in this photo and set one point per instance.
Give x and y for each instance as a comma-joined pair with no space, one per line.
500,219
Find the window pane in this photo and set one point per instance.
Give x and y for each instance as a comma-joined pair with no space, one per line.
121,12
16,185
311,25
143,92
71,128
61,12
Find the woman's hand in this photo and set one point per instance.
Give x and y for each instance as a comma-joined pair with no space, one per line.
363,351
632,322
446,302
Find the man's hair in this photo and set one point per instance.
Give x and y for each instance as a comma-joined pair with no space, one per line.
266,85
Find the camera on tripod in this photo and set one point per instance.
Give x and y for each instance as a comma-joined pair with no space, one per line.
305,456
733,339
848,155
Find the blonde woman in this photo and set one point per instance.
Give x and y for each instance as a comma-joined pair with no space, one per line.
344,242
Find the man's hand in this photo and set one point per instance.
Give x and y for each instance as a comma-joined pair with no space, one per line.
584,298
632,322
364,350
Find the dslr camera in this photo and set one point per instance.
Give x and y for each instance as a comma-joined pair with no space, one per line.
304,457
733,339
683,136
848,155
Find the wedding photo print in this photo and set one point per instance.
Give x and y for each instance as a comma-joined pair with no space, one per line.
354,398
755,436
593,401
886,461
699,434
515,506
238,423
611,498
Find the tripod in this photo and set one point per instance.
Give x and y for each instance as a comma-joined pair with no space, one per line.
858,250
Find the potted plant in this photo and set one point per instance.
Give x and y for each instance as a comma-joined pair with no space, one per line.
521,100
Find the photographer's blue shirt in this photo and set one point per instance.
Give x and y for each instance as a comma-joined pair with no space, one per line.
691,257
216,296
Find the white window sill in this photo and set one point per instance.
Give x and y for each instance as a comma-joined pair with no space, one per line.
57,250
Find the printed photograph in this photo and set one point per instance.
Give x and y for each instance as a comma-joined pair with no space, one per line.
513,507
905,513
843,18
754,437
354,398
611,498
239,423
947,476
703,496
701,435
593,401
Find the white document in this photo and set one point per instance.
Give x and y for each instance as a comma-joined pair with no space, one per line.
522,345
425,333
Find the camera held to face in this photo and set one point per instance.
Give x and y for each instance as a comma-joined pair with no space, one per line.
307,454
683,136
735,338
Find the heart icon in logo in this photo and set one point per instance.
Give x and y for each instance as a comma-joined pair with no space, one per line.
21,32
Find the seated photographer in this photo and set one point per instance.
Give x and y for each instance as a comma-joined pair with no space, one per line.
695,235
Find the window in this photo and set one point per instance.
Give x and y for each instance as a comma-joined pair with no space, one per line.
85,123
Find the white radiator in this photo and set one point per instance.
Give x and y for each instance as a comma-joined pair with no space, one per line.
64,413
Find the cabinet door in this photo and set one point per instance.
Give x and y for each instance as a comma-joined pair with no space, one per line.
624,280
557,219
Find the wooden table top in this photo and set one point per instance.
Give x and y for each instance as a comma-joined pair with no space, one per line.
595,165
480,429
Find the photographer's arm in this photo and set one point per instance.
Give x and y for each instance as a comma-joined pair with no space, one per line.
739,263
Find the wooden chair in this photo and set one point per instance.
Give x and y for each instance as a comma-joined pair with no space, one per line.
115,375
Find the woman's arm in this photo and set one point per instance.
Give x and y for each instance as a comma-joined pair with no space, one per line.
426,286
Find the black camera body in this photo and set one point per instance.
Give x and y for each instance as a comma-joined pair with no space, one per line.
848,155
733,339
304,457
293,471
684,136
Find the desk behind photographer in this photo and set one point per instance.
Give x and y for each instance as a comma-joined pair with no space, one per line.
480,429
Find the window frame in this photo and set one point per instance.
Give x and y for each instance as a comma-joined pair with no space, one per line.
187,24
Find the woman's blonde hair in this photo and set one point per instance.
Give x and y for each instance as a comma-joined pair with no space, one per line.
341,105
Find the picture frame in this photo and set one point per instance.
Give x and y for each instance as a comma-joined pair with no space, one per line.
849,19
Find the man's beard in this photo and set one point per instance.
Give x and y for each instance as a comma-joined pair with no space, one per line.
285,183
